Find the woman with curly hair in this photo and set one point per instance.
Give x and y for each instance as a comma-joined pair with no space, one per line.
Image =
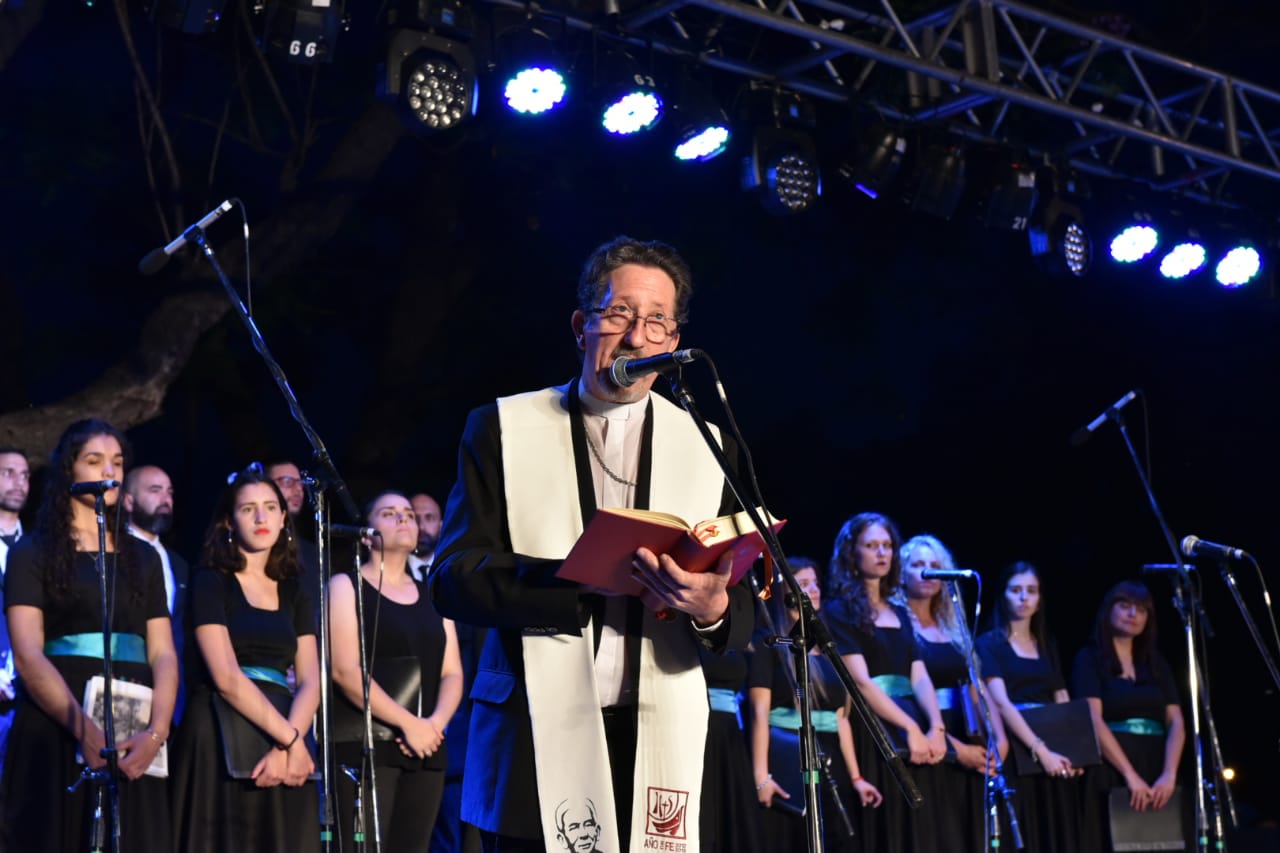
251,621
54,607
1137,713
879,647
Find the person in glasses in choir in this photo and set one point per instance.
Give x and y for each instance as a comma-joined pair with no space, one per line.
242,762
53,603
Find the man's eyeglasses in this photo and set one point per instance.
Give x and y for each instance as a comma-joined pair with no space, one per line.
658,328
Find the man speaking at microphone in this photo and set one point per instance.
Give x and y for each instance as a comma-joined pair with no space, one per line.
581,696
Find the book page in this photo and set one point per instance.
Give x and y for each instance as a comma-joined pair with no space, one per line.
649,515
728,526
130,712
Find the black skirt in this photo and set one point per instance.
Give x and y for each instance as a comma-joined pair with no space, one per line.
214,813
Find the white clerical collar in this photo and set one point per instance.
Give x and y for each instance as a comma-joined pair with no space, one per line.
608,409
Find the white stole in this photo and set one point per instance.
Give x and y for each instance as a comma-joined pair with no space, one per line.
571,759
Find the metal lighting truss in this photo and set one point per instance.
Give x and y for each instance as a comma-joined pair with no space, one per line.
990,70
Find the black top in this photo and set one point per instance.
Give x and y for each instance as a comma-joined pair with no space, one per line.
769,669
1122,699
726,671
404,631
1025,679
266,638
80,610
947,667
888,651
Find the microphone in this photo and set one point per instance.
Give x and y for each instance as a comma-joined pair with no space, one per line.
94,487
626,371
1194,546
1081,435
947,574
157,258
352,530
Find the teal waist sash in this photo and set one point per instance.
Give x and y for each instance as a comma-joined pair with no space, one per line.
951,697
1137,726
789,718
726,701
1026,706
896,686
124,647
266,673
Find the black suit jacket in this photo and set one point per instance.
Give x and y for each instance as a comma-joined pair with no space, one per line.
477,579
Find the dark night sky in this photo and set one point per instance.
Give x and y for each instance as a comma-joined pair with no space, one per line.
875,359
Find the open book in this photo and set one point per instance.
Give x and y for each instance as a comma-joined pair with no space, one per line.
130,712
602,555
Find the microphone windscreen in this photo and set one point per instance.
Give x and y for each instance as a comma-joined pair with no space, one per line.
152,263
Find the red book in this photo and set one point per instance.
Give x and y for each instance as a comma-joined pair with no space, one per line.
602,555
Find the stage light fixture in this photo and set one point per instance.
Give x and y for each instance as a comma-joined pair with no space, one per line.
939,181
1133,243
303,31
432,79
535,81
1059,240
874,161
1238,267
1184,259
1013,195
626,95
701,127
783,170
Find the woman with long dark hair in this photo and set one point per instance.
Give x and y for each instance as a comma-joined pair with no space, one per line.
773,706
1136,710
407,643
879,647
945,643
1020,666
234,791
54,607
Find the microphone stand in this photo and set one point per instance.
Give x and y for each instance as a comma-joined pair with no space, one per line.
810,630
105,779
1187,603
328,477
367,770
811,754
997,785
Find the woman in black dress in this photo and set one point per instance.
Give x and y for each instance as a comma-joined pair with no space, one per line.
1021,669
406,641
54,607
773,705
729,820
251,621
1135,707
944,643
875,638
